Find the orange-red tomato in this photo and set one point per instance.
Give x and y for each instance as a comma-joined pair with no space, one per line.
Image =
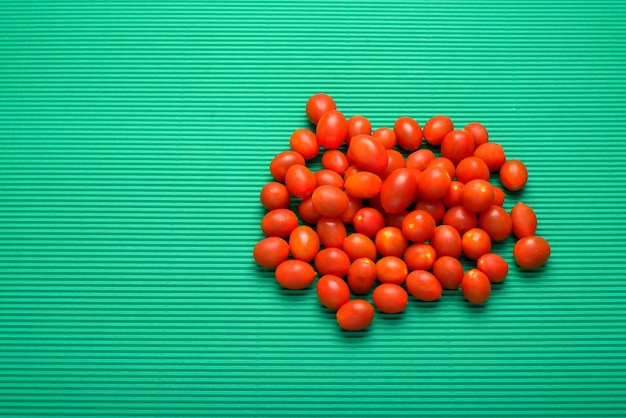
524,220
274,195
304,243
395,160
444,163
434,183
362,275
531,252
460,218
420,159
494,267
436,208
398,190
390,298
471,168
332,129
363,185
332,291
368,221
449,271
395,219
391,241
498,196
282,162
295,274
513,175
437,128
454,195
478,132
270,252
457,145
359,246
418,226
391,269
446,241
335,160
307,212
423,286
492,154
300,181
329,200
328,177
332,261
304,142
476,286
317,105
358,125
368,153
477,195
354,204
386,136
496,222
332,232
421,256
279,223
355,315
408,133
475,243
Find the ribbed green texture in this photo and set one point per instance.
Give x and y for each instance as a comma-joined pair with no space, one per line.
135,137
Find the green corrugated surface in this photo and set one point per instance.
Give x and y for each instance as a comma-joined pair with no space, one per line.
135,136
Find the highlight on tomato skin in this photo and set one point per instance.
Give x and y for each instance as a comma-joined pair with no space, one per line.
355,315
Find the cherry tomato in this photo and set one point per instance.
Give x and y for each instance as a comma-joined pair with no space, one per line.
460,218
420,159
361,275
332,232
395,219
304,142
354,204
531,252
300,181
332,261
270,252
471,168
496,222
329,200
274,195
492,154
332,291
386,137
513,175
391,241
457,145
423,286
524,220
358,125
279,223
335,160
328,177
395,160
368,221
363,185
454,195
477,195
420,256
355,315
434,207
332,129
307,212
351,171
475,243
437,128
446,241
295,274
390,298
391,269
498,196
444,163
433,183
418,226
304,243
398,190
368,153
476,286
478,132
281,163
359,246
449,271
408,133
317,105
494,267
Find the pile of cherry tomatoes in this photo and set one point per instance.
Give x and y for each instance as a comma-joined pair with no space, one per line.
373,218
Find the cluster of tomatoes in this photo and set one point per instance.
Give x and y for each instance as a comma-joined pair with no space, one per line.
375,219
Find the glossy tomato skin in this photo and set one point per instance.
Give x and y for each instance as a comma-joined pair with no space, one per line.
420,159
361,275
386,136
274,195
524,220
368,221
270,252
477,195
358,125
531,252
395,160
335,160
279,223
368,153
476,286
359,246
471,168
332,291
363,185
332,261
449,271
408,133
444,163
304,142
328,177
390,241
418,226
355,315
300,181
304,243
460,218
332,129
496,222
433,183
475,243
329,200
282,162
494,266
354,204
498,196
398,190
390,298
436,129
295,274
391,269
513,175
420,256
423,286
492,154
446,241
317,105
332,232
307,212
478,132
454,195
435,208
457,145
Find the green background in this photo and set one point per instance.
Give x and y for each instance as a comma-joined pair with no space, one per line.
135,137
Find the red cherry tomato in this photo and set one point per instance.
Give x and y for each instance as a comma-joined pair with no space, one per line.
437,128
328,177
332,129
391,241
358,125
390,298
398,190
300,181
433,183
477,195
270,252
332,291
524,220
494,267
363,185
295,274
513,175
317,105
307,212
354,204
304,243
471,168
420,256
304,142
391,269
332,261
444,163
478,132
420,159
408,133
434,207
351,171
418,226
449,272
395,160
454,195
446,241
335,160
475,243
359,246
395,219
457,145
368,221
361,275
423,286
279,223
355,315
492,154
332,232
496,222
531,252
368,153
281,163
460,218
386,137
329,200
274,195
498,196
476,286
